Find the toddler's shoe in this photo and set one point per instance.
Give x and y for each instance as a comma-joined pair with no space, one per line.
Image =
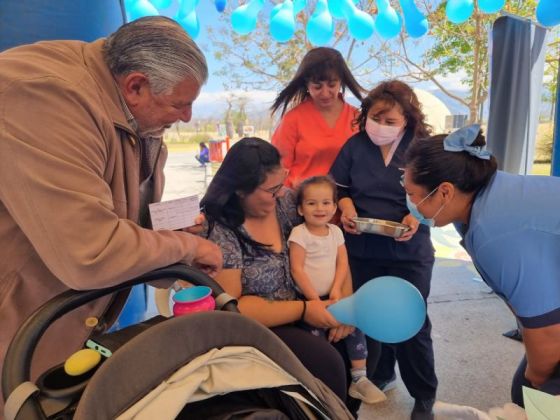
366,391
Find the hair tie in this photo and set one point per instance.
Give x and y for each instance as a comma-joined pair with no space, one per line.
462,139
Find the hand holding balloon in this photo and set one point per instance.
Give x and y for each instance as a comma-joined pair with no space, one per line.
388,309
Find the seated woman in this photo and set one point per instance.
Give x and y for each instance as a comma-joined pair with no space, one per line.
250,216
203,156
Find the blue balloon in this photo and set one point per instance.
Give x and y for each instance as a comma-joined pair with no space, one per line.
190,24
490,6
415,22
275,10
161,4
299,5
388,309
139,9
388,22
548,12
337,8
320,26
244,18
282,22
220,5
360,25
459,11
185,9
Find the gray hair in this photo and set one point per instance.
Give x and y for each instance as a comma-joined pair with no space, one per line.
159,48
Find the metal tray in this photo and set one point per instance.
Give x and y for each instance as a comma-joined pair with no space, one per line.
380,227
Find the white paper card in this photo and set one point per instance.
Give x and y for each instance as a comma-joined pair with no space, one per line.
174,214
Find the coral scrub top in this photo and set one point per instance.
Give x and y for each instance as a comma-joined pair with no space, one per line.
307,144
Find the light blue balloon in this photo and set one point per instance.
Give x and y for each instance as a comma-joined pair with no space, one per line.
388,309
275,10
282,22
548,12
161,4
185,8
190,24
336,8
458,11
299,5
388,21
139,9
415,22
360,25
320,26
244,18
490,6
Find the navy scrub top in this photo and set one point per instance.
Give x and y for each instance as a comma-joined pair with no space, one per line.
375,189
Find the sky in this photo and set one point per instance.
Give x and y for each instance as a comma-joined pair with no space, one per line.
213,92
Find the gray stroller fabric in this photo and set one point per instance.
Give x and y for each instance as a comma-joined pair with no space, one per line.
148,360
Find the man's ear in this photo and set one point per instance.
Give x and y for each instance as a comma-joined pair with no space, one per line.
135,88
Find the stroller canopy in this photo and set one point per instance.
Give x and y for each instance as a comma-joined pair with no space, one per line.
195,359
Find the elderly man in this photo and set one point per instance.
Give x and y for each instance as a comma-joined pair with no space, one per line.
81,157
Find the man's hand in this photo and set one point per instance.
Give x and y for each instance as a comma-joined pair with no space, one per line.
198,226
208,257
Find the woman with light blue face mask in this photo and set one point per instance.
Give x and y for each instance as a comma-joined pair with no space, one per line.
510,225
367,172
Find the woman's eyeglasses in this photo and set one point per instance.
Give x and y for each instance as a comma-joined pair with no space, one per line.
273,190
277,188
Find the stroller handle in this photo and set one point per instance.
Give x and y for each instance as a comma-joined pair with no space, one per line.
17,364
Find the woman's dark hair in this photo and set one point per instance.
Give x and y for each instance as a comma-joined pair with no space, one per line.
392,92
315,180
318,65
245,167
430,165
202,144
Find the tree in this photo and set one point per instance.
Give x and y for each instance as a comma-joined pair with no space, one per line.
257,61
551,72
235,118
455,49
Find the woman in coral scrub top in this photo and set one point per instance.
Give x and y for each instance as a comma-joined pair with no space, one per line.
319,121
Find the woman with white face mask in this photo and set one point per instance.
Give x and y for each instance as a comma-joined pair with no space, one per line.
367,171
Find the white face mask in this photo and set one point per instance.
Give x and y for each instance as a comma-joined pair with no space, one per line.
382,134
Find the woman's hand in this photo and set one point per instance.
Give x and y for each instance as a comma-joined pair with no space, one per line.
335,295
348,223
316,314
534,378
339,333
413,223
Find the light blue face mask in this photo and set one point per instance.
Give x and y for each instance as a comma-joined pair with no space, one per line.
413,208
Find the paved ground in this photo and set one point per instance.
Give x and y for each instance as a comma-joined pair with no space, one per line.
474,362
